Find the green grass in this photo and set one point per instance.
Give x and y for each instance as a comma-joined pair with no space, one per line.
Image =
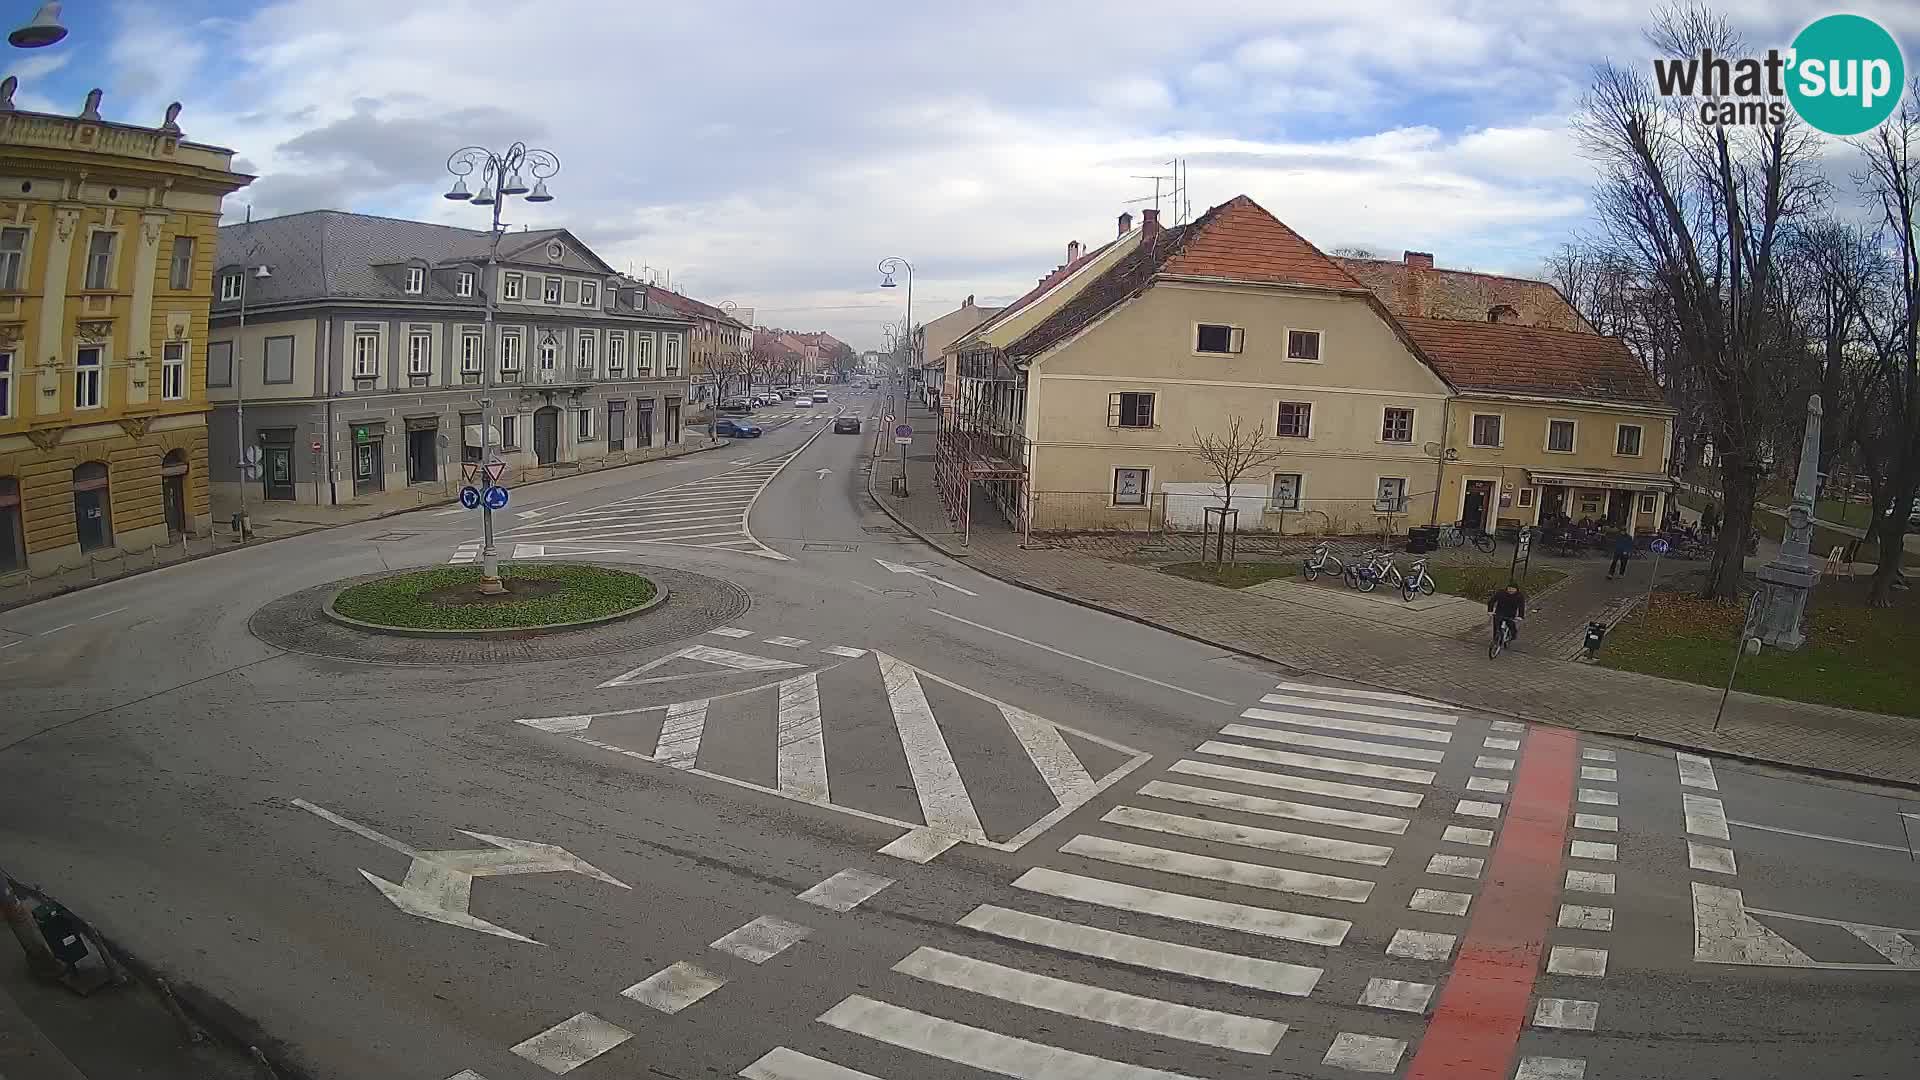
1856,657
1479,582
1233,575
590,592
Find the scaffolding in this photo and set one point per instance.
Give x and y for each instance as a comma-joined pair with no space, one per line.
982,441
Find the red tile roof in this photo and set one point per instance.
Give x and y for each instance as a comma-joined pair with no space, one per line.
1533,360
1439,293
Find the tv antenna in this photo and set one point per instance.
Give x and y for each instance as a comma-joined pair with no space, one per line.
1172,188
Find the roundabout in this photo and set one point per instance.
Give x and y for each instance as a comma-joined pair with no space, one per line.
541,598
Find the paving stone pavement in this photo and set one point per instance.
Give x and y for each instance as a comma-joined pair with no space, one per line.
1530,681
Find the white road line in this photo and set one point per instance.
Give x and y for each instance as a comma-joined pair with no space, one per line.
762,939
1359,727
1279,808
1330,742
1594,772
1550,1068
1902,848
846,890
1598,822
1508,726
781,1063
1476,808
1494,742
679,742
1696,772
920,845
1082,659
1460,834
104,614
1462,866
1056,762
1599,796
842,650
944,803
1714,860
1488,784
786,642
730,631
1440,902
1593,849
1368,695
1892,942
1385,711
1398,995
1132,1012
988,1051
1598,755
1198,910
57,629
1303,784
572,1043
1590,881
1314,761
1364,1053
674,987
1569,960
1422,944
1584,917
1566,1013
802,746
1234,969
1497,764
1226,832
1208,868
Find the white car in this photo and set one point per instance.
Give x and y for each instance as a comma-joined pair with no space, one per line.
819,397
803,402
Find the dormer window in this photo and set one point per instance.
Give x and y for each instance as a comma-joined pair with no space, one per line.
416,280
589,294
229,287
464,285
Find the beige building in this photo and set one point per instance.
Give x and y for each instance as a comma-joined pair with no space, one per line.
942,332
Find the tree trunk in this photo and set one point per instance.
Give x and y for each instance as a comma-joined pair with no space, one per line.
1893,548
1739,490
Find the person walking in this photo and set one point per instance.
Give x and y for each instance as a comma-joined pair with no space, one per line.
1622,551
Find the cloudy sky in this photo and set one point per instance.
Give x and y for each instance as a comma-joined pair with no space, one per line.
771,152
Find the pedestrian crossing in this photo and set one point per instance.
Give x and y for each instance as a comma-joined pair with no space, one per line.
707,513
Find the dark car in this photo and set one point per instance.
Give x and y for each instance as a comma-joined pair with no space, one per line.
736,406
846,425
734,429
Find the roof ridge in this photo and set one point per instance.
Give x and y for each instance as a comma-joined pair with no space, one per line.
1444,269
355,214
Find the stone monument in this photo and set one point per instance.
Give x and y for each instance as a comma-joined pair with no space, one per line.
1786,581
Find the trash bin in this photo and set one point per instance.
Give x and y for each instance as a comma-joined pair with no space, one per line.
899,487
1423,539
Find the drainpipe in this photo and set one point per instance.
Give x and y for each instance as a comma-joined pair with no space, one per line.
1440,473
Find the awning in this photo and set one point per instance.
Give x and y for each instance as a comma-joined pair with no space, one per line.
1604,480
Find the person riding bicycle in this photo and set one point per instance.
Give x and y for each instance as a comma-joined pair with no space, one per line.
1509,606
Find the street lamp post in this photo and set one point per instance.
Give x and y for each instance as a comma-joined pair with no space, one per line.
501,175
44,30
888,267
259,273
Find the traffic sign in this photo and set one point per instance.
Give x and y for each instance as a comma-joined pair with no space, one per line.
470,497
496,498
496,469
1660,545
315,444
889,418
904,431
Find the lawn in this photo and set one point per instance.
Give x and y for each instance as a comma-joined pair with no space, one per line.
1479,582
444,598
1855,657
1233,575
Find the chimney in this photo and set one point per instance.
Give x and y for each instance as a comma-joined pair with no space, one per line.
1126,224
969,302
1149,225
1073,251
1419,265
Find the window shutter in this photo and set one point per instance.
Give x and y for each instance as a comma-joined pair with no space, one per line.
1236,339
1113,410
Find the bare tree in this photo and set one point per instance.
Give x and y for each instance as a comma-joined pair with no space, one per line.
1354,251
1230,455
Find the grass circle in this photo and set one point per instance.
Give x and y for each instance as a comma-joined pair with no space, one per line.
539,594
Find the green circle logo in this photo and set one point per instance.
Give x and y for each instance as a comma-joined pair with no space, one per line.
1847,74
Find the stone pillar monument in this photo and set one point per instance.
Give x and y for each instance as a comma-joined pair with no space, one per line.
1786,581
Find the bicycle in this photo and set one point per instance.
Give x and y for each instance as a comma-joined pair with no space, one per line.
1322,558
1457,536
1416,581
1360,569
1378,568
1502,636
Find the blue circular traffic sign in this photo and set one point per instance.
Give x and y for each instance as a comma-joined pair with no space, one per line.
1659,545
496,498
470,497
904,431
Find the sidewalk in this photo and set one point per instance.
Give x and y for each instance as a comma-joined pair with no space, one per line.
1530,682
279,520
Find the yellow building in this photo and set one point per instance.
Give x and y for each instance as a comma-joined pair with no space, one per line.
106,268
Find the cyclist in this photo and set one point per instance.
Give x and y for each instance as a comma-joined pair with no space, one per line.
1509,606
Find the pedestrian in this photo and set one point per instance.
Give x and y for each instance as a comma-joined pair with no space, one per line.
1710,520
1622,551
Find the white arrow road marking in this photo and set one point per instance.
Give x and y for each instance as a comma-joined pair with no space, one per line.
822,474
899,569
439,884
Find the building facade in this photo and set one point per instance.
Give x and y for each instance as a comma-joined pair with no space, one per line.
938,336
719,342
359,363
106,258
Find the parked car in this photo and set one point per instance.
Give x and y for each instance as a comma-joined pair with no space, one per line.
819,397
803,402
735,429
846,425
736,407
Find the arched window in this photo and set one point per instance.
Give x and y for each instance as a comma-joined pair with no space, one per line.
13,533
92,506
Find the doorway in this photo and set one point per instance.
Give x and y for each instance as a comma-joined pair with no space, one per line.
673,421
1619,508
369,470
278,477
92,506
173,492
616,425
1479,502
546,435
423,456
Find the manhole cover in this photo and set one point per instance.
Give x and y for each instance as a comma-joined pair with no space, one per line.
885,530
829,547
394,536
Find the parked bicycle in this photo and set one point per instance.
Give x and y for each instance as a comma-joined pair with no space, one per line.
1457,535
1379,567
1416,581
1321,560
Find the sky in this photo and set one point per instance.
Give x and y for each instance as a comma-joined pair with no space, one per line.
771,153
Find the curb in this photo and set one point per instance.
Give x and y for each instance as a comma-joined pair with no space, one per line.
484,633
989,570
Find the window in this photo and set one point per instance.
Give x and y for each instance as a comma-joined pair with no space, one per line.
549,353
1129,487
279,360
13,257
589,294
469,438
510,432
1296,420
643,355
366,356
551,292
6,384
510,351
230,287
470,344
1390,497
420,353
100,260
463,285
1303,344
1560,436
1646,504
510,287
173,371
616,353
416,280
1526,497
672,361
1130,410
586,424
587,351
1286,491
1486,429
220,363
1627,442
1214,338
1396,425
180,267
87,364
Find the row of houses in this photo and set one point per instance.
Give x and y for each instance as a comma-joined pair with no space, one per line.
1385,393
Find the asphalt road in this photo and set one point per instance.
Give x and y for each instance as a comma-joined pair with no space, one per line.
857,807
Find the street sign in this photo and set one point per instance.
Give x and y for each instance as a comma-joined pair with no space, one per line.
903,434
496,470
470,497
496,498
1660,545
889,418
315,444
